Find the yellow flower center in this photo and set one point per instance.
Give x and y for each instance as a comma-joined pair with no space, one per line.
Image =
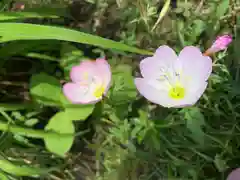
99,91
177,92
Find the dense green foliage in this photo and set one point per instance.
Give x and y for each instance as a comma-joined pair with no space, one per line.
124,136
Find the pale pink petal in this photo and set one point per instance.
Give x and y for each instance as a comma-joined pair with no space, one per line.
165,53
79,94
153,94
234,175
104,71
194,64
155,66
80,72
150,68
193,94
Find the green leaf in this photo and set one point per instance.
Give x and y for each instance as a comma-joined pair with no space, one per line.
78,112
162,13
70,53
222,8
3,176
14,107
195,121
35,32
41,56
123,89
23,15
220,164
45,89
40,12
59,123
18,116
70,56
24,47
22,170
22,140
31,122
198,27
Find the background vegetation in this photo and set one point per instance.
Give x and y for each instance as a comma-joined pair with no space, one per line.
123,137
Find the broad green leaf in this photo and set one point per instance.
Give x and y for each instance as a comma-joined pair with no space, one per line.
123,89
78,112
22,170
36,32
194,121
45,89
59,123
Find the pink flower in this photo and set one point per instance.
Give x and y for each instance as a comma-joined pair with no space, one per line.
234,175
221,43
174,81
90,82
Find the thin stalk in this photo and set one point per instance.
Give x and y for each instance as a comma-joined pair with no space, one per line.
31,132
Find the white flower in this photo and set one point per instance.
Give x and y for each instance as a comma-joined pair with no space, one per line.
174,81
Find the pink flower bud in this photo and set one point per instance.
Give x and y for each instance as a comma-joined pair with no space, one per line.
221,43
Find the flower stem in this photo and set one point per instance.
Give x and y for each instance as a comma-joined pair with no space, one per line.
31,132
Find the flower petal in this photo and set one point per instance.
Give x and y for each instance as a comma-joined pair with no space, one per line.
165,53
153,94
159,93
81,72
193,95
149,68
104,71
162,61
221,43
194,64
79,94
234,175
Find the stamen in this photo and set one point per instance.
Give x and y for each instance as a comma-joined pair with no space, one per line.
177,92
169,78
99,90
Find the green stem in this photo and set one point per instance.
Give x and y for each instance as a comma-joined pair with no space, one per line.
14,107
31,132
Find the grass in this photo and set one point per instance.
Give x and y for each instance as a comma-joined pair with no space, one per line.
136,140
